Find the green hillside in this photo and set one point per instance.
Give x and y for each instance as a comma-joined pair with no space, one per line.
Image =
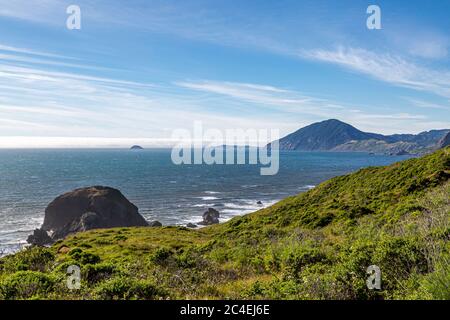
316,245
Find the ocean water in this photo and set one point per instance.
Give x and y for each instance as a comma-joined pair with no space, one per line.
172,194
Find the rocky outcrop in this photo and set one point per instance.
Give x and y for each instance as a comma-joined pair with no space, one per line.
211,216
136,147
86,209
40,238
155,224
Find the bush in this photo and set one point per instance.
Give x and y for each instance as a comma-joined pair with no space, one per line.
297,257
33,259
125,288
398,258
83,257
188,259
94,273
25,285
161,256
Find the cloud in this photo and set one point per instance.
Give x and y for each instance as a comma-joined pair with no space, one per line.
38,102
33,52
428,105
32,60
269,96
385,67
294,105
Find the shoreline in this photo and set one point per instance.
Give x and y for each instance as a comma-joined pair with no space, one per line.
22,244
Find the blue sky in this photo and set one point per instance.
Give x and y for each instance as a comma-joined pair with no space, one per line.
137,70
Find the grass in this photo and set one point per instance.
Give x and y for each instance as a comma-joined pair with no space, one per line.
316,245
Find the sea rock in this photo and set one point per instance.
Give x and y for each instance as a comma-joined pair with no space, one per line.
135,147
40,238
259,203
191,225
211,216
155,224
85,209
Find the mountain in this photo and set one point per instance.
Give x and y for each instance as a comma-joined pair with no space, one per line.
315,245
445,141
323,135
335,135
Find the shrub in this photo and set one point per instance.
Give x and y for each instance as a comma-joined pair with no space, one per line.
33,259
124,288
398,258
26,284
94,273
296,257
161,256
83,257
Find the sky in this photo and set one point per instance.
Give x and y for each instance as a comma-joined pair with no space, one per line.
138,70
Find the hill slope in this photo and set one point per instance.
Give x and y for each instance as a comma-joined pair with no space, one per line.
335,135
316,245
445,141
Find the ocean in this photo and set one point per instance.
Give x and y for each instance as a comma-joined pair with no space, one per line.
172,194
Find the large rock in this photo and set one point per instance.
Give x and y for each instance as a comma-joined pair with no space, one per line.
155,224
86,209
40,238
211,216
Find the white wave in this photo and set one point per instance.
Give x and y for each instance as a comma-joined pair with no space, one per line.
208,198
200,205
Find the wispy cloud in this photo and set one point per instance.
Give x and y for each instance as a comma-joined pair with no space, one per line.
33,52
295,105
38,102
428,105
385,67
278,98
48,62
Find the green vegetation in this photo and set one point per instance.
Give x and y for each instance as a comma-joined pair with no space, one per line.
316,245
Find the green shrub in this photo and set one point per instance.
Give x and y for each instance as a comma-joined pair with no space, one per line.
83,257
398,258
94,273
126,288
161,255
25,285
189,259
33,259
297,257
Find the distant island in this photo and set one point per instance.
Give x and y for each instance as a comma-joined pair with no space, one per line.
335,135
136,147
